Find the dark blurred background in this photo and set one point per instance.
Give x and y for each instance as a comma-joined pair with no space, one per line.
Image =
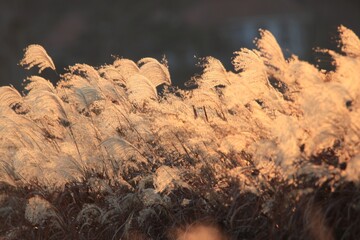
78,31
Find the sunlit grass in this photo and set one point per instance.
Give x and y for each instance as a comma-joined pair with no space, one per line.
269,150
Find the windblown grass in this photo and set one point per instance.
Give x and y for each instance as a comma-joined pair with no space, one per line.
269,151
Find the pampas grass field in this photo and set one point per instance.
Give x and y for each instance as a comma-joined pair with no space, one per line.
267,150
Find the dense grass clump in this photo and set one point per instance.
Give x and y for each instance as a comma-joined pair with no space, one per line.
269,151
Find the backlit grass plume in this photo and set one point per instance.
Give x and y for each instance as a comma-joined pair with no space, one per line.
35,55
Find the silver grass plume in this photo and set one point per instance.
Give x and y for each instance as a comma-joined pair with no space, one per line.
36,55
214,74
8,97
270,50
156,72
350,43
140,89
36,83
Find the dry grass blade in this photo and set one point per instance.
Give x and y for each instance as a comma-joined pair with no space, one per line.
126,68
247,61
36,55
205,98
270,49
140,89
167,179
214,74
37,83
113,74
90,73
154,71
44,103
8,97
86,96
120,148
